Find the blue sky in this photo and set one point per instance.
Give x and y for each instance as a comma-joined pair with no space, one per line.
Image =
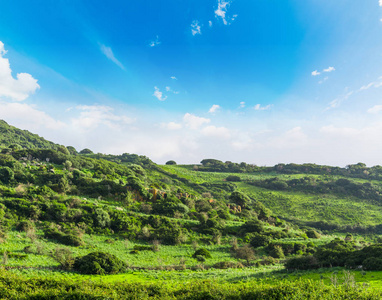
258,81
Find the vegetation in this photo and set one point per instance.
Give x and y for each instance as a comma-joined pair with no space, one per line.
74,213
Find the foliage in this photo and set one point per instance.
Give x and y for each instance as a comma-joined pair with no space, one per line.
99,263
202,252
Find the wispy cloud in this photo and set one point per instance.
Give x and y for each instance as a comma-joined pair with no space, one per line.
194,122
173,78
168,89
380,2
158,94
375,109
337,102
315,73
110,55
210,23
172,126
155,42
329,69
323,80
242,104
16,89
217,132
259,107
195,28
221,11
92,116
214,108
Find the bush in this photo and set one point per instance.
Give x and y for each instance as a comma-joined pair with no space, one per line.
171,162
260,240
233,178
99,263
277,252
312,234
302,263
202,252
200,258
228,265
64,257
372,264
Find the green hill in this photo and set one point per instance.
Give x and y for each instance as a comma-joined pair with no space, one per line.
64,213
11,136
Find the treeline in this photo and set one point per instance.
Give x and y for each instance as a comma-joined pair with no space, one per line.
313,185
359,170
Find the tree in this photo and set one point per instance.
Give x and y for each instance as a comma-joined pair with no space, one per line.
246,253
239,199
86,151
171,162
6,174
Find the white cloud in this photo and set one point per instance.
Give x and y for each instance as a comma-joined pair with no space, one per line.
259,107
221,11
380,2
91,116
218,132
323,80
195,28
214,108
172,126
168,89
158,94
242,104
210,23
337,102
375,109
329,69
155,42
173,78
27,117
194,122
315,73
15,89
110,55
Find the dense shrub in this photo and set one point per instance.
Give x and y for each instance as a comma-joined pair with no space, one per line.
202,252
302,263
372,264
312,234
259,240
228,265
99,263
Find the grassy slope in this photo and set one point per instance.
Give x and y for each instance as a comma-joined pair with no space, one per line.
297,205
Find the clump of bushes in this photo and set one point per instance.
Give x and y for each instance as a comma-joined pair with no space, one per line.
202,252
99,263
312,234
228,265
302,263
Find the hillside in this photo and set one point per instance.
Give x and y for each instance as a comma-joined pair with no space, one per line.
11,136
65,214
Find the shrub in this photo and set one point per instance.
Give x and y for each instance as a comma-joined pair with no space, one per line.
260,240
202,252
228,265
99,263
233,178
372,263
200,258
246,253
64,257
277,252
302,263
312,234
171,162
